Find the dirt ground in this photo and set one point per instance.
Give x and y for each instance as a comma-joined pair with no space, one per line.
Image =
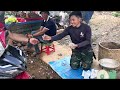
40,70
105,27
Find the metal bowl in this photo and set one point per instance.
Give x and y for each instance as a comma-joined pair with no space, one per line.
109,63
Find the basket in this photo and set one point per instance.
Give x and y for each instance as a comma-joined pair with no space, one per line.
109,50
26,27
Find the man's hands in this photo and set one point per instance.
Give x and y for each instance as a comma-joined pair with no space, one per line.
46,37
33,41
29,35
73,46
45,29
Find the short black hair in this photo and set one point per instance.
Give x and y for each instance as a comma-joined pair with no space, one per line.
45,12
76,13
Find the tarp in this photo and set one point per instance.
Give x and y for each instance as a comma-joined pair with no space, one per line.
63,69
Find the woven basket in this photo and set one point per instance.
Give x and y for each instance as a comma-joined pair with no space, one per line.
109,50
26,27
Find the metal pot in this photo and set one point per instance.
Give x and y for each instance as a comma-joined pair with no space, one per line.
109,63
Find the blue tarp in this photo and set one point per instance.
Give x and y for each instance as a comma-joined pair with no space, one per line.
63,69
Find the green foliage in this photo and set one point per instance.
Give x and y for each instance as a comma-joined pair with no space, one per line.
116,14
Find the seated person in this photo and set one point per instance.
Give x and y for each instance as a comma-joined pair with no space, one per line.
48,23
48,27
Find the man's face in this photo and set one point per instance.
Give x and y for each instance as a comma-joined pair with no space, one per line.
44,15
74,21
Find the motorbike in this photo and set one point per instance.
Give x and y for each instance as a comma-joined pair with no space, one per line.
13,61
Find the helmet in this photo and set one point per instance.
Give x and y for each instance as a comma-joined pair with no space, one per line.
12,62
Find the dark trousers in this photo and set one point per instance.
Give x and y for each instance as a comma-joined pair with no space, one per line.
81,59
